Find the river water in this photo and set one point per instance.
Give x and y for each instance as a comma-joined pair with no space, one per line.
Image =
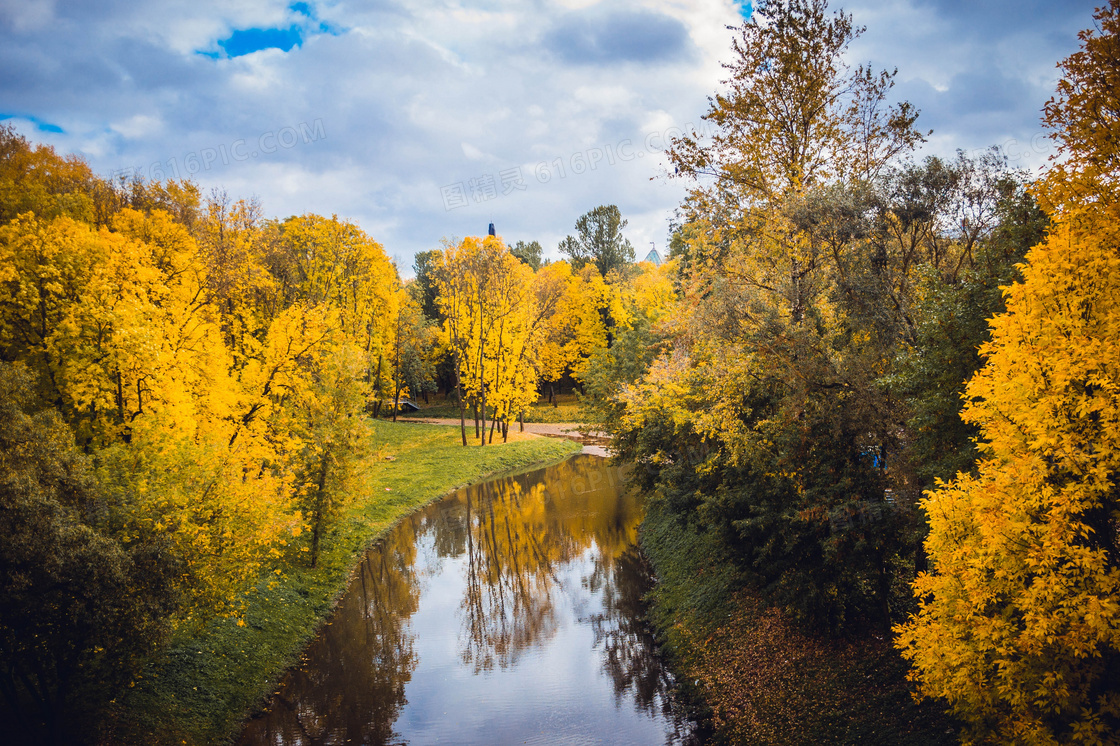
508,612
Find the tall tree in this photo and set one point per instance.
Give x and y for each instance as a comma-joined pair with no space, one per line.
762,417
1019,623
599,241
794,117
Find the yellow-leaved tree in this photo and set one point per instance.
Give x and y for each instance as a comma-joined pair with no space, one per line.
1019,623
481,292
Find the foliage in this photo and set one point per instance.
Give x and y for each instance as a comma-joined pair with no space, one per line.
208,680
210,361
599,241
753,674
415,352
508,328
1019,624
649,295
530,253
950,326
36,179
78,611
783,402
424,285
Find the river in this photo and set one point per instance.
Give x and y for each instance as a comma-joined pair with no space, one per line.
508,612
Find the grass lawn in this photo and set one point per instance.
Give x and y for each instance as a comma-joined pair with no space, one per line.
203,686
567,409
759,679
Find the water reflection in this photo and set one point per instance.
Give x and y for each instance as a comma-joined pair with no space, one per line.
508,612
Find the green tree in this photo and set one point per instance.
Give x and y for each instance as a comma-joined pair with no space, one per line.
425,291
529,253
599,241
950,326
78,610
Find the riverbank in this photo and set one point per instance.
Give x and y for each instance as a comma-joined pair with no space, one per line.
754,675
204,685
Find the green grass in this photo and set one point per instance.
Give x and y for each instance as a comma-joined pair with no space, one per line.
754,676
567,409
205,684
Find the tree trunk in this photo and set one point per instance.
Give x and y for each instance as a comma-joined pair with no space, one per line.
317,520
397,366
462,409
120,397
377,388
482,408
522,419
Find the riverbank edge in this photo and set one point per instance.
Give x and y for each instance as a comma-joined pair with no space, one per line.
750,676
209,683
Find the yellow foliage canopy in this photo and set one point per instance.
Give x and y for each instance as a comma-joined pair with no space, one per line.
1021,616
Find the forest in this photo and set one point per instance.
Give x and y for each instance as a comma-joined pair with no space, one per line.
887,387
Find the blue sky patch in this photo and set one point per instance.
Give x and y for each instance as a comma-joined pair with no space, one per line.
247,41
307,10
745,9
39,123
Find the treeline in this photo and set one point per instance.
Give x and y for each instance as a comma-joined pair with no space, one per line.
187,387
512,324
806,401
184,391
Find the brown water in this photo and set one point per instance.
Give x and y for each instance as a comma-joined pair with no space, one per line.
509,612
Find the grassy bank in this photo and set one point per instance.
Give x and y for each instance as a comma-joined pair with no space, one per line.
201,689
756,677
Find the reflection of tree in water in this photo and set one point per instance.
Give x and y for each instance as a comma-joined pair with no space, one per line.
629,651
522,531
446,523
507,602
518,538
363,660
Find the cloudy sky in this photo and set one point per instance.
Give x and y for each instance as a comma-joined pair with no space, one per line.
424,120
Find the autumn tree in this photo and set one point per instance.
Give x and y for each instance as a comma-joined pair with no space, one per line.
505,326
760,416
794,117
1019,625
36,179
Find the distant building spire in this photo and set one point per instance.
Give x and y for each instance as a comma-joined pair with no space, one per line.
492,233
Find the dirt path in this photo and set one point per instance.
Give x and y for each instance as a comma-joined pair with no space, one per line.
568,430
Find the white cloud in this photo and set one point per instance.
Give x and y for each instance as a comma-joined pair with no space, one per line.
138,126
